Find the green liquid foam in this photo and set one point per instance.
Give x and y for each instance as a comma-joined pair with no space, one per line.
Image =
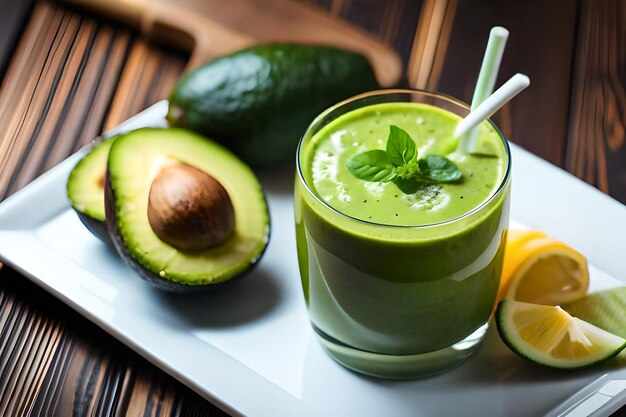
324,165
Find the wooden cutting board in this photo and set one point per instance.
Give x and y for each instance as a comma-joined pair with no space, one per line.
210,28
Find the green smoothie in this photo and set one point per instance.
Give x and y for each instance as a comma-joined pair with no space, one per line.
394,273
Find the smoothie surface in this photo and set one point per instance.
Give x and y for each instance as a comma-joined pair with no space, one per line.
324,165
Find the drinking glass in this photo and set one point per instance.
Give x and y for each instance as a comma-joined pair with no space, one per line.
399,301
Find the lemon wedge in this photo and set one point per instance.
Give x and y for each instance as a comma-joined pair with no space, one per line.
549,336
539,269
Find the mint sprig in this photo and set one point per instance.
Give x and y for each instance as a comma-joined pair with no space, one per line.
401,149
437,168
399,163
372,166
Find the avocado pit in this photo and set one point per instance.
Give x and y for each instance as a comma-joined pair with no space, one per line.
189,209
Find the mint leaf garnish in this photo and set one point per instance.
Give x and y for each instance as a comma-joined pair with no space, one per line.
408,186
399,163
437,168
400,147
372,166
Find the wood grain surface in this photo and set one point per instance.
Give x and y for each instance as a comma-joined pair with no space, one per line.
596,148
71,78
66,77
56,364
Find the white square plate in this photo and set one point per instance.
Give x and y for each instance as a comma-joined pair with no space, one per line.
249,348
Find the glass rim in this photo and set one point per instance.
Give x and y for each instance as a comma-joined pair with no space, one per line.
408,91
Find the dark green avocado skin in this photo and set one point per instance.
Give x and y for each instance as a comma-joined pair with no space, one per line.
96,227
258,102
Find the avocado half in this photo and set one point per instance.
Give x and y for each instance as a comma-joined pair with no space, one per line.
259,101
85,189
135,160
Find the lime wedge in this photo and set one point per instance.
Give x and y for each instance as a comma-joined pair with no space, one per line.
605,309
549,336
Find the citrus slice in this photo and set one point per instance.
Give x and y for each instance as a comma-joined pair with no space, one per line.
549,336
604,309
539,269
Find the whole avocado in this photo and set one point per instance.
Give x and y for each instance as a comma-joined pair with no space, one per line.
259,101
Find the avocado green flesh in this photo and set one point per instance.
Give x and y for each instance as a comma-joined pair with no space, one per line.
259,101
85,185
136,158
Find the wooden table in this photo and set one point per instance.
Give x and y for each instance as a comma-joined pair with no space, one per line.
67,77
